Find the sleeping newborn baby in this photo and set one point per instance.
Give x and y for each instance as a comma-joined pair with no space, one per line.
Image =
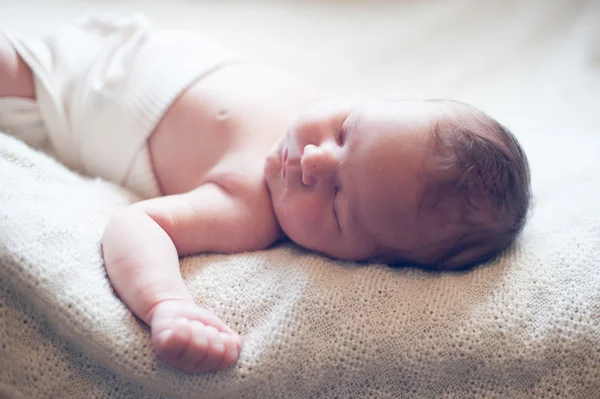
231,156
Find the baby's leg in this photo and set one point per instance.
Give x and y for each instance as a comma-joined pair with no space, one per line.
16,78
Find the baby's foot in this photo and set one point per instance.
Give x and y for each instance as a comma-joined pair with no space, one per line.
193,339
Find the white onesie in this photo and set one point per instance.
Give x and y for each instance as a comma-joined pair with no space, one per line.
102,85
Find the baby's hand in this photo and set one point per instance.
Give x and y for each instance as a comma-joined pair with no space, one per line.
193,339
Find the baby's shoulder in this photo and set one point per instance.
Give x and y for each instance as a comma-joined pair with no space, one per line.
249,191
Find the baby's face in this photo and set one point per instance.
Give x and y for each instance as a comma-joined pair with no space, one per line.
347,178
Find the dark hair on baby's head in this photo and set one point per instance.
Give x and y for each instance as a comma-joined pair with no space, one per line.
480,187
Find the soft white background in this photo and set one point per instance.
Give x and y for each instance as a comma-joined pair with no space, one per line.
532,64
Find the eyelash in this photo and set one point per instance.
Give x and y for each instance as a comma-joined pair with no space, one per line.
341,137
337,220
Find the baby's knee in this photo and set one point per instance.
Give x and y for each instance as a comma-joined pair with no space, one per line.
16,78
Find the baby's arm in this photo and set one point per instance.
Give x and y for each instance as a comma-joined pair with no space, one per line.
142,245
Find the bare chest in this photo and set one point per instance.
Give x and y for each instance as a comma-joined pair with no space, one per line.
224,124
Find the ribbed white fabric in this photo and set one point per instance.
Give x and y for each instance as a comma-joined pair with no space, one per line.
102,86
141,178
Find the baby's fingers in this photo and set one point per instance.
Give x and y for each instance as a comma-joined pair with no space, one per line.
210,319
222,351
233,347
172,338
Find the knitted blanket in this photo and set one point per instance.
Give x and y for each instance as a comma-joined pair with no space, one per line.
524,325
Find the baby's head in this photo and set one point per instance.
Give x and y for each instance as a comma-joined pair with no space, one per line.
435,183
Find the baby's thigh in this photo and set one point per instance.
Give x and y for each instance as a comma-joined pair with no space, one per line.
16,78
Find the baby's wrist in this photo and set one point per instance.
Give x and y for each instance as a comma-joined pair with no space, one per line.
168,302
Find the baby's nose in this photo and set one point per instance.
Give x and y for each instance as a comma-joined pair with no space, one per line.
318,163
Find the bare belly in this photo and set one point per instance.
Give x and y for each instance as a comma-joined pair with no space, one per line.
225,122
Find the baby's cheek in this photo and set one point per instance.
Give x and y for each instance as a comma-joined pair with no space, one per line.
313,212
302,223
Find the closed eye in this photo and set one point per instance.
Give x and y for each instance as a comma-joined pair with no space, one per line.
335,211
341,137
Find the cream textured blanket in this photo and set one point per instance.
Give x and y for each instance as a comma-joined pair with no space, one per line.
526,325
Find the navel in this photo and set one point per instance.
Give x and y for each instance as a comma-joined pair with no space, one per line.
222,115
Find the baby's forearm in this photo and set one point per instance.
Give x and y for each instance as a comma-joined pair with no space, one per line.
142,262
